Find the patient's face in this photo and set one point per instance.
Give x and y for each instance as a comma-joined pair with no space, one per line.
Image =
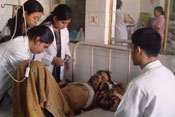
97,79
103,76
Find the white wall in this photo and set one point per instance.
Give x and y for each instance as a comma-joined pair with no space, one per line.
132,7
6,13
97,32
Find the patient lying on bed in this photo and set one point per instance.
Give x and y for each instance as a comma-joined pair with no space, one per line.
80,95
39,95
98,91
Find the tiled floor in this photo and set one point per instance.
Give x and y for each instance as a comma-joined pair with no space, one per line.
6,111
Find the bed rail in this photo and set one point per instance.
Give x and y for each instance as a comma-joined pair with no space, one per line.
92,45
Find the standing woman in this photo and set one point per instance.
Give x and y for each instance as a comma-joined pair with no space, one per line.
159,22
21,48
33,11
121,31
59,50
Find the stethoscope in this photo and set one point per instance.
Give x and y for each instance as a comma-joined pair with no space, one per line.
33,58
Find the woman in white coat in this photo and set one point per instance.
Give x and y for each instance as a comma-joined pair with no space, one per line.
33,11
19,49
120,24
55,55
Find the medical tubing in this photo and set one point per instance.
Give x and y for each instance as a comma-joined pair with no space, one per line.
25,25
18,81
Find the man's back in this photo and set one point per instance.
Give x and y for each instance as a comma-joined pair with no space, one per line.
150,94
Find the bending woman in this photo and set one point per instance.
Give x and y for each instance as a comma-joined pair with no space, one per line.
21,48
32,12
59,50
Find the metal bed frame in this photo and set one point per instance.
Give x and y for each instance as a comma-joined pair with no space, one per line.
94,45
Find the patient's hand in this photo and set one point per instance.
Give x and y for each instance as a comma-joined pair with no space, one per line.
122,85
63,83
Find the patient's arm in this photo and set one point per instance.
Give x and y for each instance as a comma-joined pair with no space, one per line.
120,87
109,95
63,83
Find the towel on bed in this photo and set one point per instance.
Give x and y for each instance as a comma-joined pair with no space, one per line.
78,95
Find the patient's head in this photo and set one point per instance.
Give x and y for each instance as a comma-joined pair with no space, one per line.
105,74
99,77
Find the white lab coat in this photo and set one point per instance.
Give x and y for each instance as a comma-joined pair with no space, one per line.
50,53
150,94
11,53
121,31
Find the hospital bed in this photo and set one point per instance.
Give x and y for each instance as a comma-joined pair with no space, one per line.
90,57
84,58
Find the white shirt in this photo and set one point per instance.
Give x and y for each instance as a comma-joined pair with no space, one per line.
11,53
51,52
150,95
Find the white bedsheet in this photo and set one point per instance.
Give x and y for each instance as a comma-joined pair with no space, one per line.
97,112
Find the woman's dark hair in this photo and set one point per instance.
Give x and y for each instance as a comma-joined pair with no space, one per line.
160,9
119,3
62,12
45,34
30,7
148,39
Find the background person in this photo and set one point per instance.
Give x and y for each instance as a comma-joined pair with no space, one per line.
159,21
120,23
146,95
59,50
21,48
33,11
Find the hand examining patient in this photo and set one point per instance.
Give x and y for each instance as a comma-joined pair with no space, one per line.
58,61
